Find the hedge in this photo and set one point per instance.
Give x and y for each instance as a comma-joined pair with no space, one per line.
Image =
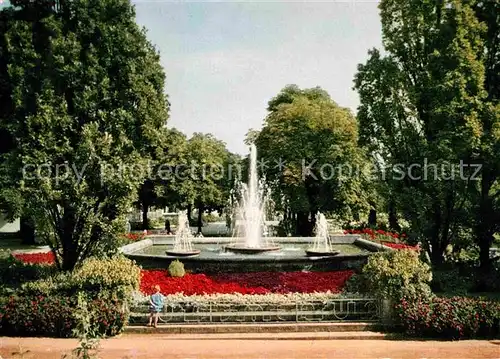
55,316
450,318
46,303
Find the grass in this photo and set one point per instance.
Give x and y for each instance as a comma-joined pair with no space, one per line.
15,244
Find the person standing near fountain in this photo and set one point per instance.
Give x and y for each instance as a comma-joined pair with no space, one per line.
156,306
167,226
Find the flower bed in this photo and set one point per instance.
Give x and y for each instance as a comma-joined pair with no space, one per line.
245,283
377,234
389,239
243,299
400,246
35,258
134,237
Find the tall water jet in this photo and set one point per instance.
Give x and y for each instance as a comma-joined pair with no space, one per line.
321,245
252,213
183,242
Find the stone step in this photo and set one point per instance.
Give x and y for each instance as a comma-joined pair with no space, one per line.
255,328
247,317
355,335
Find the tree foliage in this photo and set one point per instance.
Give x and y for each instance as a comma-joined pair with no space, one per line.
424,107
310,156
204,178
86,103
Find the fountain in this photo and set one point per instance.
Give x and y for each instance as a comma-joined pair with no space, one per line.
252,214
321,245
252,247
183,245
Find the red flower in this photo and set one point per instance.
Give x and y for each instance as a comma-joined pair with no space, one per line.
134,236
400,246
245,283
35,258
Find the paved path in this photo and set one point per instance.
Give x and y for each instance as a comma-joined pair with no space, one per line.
172,346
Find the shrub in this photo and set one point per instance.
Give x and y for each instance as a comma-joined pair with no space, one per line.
118,277
176,269
54,316
464,278
452,281
13,272
452,318
99,274
46,306
395,274
356,284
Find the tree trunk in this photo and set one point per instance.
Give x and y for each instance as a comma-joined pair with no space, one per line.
200,222
484,253
189,212
372,218
303,224
486,223
69,242
145,210
393,218
27,230
437,249
313,220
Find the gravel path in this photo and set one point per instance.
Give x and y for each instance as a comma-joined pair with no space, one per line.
172,346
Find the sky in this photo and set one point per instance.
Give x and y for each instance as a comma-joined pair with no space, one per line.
225,60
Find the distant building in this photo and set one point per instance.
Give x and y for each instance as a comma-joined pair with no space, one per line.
8,227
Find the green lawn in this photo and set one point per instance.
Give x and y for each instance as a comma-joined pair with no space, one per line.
15,244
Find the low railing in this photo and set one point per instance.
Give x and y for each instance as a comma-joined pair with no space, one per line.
216,311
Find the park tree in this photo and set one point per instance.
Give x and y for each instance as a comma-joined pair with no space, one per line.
203,178
160,187
11,200
486,192
174,158
421,112
309,157
86,103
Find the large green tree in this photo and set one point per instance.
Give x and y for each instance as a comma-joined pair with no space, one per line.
486,193
203,177
86,102
422,112
310,158
160,188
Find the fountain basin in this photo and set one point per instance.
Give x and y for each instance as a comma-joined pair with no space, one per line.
321,253
175,253
150,253
240,248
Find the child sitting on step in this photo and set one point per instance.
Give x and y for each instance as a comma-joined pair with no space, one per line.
156,306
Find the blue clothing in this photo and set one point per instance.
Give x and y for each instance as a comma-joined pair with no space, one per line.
157,302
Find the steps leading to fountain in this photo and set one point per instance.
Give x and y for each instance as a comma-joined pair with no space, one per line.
344,329
339,310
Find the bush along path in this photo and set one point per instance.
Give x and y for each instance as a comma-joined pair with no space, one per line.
401,280
36,300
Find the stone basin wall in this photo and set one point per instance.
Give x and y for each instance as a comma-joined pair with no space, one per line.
253,263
